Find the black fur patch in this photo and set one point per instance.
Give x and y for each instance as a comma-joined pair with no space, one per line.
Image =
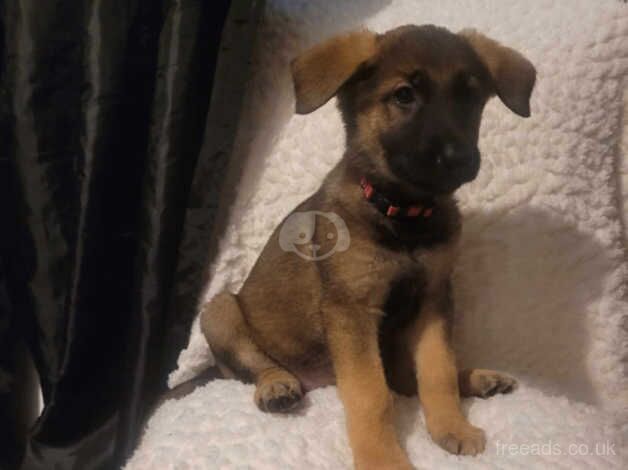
401,308
409,234
404,300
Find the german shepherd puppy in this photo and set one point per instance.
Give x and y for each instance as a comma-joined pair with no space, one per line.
373,312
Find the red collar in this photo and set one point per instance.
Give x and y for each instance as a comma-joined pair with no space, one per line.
386,207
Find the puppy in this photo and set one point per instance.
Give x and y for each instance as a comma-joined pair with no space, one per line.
376,314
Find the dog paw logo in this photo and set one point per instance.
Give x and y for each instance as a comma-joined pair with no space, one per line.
297,233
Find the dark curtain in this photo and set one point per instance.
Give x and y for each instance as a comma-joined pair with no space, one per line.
112,150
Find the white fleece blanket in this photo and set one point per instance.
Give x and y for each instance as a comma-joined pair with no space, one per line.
542,281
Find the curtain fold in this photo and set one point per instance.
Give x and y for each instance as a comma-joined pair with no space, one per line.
103,113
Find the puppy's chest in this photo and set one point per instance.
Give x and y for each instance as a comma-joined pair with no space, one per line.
374,270
419,271
406,293
425,276
394,280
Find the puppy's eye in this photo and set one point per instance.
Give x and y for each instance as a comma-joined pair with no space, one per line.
473,82
467,86
404,95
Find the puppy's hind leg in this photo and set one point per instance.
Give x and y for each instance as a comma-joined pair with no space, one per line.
229,338
484,383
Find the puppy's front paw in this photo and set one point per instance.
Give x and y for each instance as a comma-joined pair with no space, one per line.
458,436
278,396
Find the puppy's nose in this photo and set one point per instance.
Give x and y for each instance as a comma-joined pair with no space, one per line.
452,156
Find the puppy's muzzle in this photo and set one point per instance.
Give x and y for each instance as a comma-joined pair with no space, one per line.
454,162
458,162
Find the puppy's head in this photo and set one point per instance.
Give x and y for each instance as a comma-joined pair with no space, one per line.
412,99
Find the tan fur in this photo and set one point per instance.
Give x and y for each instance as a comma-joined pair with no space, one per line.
439,392
362,387
319,72
297,324
514,75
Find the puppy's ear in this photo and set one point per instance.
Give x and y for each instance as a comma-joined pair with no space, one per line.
319,72
513,74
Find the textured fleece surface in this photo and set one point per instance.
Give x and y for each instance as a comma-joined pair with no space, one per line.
219,427
541,283
623,168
